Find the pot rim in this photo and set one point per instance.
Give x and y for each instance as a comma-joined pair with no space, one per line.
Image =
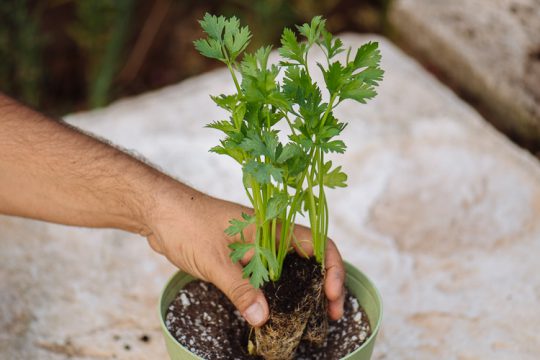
349,268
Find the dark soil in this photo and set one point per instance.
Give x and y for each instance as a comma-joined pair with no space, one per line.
203,320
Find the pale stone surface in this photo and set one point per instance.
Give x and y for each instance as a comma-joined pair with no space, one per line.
491,48
441,211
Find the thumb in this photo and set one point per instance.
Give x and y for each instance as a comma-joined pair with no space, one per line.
249,301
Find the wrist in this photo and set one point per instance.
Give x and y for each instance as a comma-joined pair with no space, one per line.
170,201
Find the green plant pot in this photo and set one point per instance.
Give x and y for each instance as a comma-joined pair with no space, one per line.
356,282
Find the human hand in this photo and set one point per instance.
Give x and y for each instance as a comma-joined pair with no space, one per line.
189,231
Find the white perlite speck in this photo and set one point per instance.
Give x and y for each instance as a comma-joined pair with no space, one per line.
184,299
354,304
363,335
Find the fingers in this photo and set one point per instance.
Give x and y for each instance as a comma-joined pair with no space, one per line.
334,281
249,301
335,271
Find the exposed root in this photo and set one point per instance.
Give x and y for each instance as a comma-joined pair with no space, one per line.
297,312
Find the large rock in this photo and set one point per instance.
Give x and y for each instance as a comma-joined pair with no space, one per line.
441,211
489,48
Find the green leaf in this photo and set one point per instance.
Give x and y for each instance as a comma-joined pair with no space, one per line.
253,144
210,48
332,45
368,55
329,132
223,34
239,250
237,226
256,146
290,47
276,205
262,172
336,146
271,142
371,76
262,55
238,114
230,148
299,89
312,31
227,102
289,151
334,76
335,178
258,80
222,125
213,25
358,90
255,270
236,38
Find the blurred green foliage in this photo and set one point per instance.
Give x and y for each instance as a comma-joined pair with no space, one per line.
21,45
101,28
68,55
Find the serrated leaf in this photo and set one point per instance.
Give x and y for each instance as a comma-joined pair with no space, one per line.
239,250
254,145
329,132
262,172
357,90
222,34
334,76
336,146
332,45
255,270
213,25
368,55
237,226
229,148
262,55
290,47
289,151
210,48
275,206
312,31
222,125
226,102
370,76
335,178
271,141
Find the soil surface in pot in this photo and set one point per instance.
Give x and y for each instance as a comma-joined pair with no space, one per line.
204,321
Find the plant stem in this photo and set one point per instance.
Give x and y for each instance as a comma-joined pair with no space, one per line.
236,84
321,246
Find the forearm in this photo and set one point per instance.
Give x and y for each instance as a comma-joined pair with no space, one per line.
50,171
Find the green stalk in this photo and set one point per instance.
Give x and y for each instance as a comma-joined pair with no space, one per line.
273,276
313,217
259,211
328,109
320,250
231,70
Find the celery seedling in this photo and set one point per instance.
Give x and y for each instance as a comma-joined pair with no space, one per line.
282,180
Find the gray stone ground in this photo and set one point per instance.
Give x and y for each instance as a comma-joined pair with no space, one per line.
441,212
490,48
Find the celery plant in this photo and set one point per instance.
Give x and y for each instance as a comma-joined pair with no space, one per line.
281,179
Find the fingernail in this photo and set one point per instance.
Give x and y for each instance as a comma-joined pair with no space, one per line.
254,314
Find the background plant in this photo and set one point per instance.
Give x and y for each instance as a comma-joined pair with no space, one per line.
284,179
67,55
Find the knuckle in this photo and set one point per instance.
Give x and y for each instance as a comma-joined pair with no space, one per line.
241,294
